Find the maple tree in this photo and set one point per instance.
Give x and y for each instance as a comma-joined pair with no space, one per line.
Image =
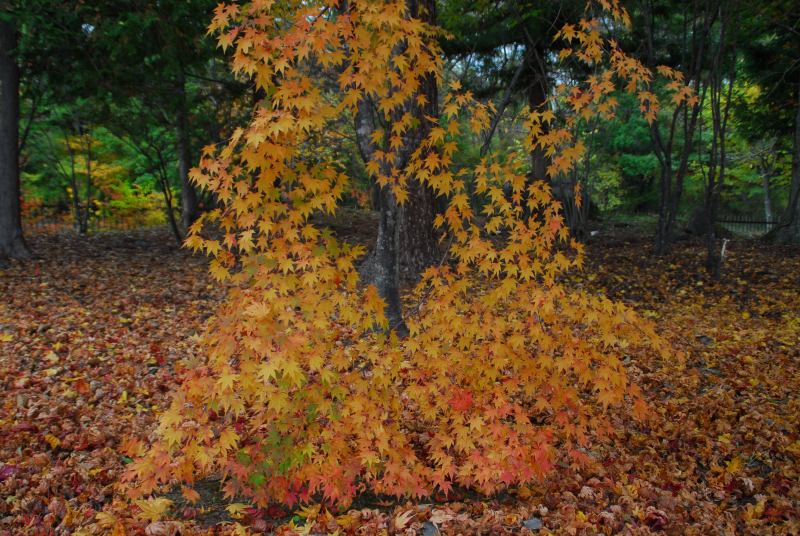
297,396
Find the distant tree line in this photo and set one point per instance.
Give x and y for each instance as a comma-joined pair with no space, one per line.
103,102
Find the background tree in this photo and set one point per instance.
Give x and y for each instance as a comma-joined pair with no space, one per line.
12,242
770,50
54,43
719,88
684,46
57,43
103,54
155,143
66,144
148,50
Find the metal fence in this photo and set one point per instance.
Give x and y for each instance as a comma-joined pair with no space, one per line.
52,225
746,225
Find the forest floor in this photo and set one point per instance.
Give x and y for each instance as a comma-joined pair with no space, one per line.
93,336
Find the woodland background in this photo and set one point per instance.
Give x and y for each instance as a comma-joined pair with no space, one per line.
105,107
117,100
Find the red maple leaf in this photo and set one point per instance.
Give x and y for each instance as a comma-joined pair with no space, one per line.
462,401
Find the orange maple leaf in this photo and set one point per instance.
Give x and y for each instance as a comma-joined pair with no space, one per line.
462,400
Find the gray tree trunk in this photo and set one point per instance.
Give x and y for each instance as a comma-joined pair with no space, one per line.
191,209
765,179
767,171
417,247
385,268
12,242
382,266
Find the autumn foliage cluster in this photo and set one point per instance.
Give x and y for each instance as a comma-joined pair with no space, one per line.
298,393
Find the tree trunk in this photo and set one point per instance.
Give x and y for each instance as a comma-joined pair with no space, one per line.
537,99
418,247
767,170
164,183
767,199
719,93
382,267
86,149
191,209
671,179
789,229
385,266
12,242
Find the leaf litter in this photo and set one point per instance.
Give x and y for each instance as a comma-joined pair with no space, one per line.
94,336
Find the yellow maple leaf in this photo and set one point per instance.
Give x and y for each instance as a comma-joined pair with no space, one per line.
52,440
153,509
734,465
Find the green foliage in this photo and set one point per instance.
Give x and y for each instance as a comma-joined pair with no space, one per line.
632,165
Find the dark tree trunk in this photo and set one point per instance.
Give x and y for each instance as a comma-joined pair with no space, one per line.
417,246
537,99
164,183
717,81
191,209
168,201
789,229
671,179
86,149
12,242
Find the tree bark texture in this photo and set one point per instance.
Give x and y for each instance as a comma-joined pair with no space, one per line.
190,209
12,241
418,247
385,266
86,151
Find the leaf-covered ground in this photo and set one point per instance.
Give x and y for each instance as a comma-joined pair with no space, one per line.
93,337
